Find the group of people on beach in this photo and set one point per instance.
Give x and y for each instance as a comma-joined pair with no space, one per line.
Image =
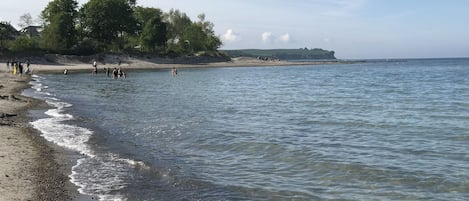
16,67
117,72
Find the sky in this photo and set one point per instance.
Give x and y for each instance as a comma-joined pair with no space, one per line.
354,29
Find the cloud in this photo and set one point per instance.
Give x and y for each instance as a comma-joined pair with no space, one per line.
266,37
230,36
269,37
285,38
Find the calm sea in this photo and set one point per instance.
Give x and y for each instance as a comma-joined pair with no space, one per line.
391,130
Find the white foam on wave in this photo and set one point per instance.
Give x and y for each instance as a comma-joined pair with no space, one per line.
38,86
53,129
103,174
72,137
134,163
97,176
100,175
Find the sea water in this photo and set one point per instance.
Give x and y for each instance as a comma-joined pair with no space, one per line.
380,130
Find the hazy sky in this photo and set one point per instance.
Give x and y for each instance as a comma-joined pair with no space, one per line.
352,28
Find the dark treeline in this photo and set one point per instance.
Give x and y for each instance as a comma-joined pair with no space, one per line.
117,26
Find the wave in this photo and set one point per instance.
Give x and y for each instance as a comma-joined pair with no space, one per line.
96,174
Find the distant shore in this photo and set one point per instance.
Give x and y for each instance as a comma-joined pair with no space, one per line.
134,63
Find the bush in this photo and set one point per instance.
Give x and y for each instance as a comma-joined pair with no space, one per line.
24,44
86,48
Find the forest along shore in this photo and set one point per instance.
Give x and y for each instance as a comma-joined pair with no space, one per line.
30,167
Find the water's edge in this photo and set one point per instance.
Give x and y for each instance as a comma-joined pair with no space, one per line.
369,131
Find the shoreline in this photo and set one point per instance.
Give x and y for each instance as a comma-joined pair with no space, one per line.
45,169
132,63
31,168
46,149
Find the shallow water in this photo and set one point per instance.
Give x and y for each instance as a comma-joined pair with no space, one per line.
372,131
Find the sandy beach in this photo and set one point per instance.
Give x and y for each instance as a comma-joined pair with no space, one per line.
134,63
32,168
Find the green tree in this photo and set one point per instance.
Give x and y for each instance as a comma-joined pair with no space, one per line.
193,38
7,32
26,20
60,32
152,30
132,3
107,21
212,42
145,14
24,44
154,34
177,24
200,36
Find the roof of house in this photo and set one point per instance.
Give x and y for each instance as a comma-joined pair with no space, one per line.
32,30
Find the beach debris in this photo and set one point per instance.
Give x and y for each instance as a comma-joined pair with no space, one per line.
5,123
5,115
5,97
13,98
10,98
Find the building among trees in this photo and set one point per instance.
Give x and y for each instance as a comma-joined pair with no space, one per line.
32,31
116,26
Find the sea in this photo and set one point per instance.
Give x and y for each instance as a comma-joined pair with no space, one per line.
374,130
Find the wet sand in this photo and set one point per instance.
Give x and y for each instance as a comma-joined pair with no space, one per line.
30,167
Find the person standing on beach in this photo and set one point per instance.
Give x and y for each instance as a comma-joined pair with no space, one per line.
95,67
20,69
28,62
114,73
119,72
27,70
15,68
8,65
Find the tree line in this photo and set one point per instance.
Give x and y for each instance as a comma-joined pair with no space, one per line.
118,26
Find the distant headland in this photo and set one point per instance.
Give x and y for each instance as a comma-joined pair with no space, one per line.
283,54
